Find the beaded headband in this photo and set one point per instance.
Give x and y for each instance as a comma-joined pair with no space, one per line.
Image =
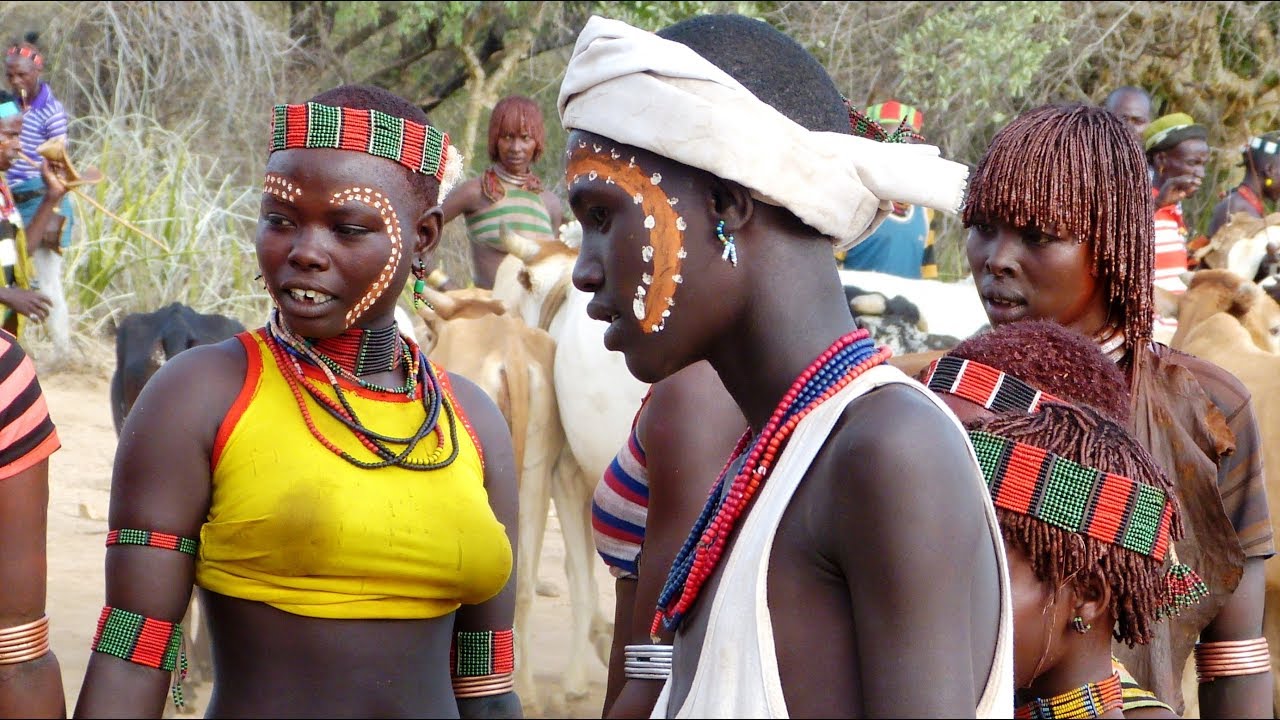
26,52
985,385
1267,146
421,148
1110,508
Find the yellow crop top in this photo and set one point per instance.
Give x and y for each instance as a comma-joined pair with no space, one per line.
294,526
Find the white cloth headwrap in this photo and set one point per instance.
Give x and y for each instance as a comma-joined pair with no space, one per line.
638,89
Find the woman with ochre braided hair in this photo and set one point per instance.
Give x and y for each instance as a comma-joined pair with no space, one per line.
1059,216
508,192
346,507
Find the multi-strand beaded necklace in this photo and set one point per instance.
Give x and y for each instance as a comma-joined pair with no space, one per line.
836,367
1088,701
291,350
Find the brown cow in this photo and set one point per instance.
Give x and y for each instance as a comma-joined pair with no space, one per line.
1234,324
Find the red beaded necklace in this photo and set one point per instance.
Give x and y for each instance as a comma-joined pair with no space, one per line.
842,362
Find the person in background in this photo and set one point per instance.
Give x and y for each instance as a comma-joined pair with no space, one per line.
1132,105
903,244
508,192
1177,150
43,119
1260,185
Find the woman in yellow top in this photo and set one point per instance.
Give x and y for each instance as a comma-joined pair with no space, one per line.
346,508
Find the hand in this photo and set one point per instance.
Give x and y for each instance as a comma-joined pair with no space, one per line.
1176,189
52,172
32,303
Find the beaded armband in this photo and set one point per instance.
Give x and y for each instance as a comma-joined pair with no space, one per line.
25,642
151,538
984,385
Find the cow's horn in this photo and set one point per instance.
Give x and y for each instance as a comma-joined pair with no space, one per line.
517,244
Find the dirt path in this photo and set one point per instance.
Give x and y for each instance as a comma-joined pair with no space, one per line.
79,478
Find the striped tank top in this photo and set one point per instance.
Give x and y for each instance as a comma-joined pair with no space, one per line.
519,209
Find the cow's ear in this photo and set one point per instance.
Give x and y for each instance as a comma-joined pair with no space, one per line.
1167,303
1243,300
427,231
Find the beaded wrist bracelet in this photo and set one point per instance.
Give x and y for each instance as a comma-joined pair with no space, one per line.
482,653
984,385
151,538
142,640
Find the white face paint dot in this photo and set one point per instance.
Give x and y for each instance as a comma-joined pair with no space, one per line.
649,222
647,253
655,178
647,279
680,224
637,198
637,308
593,175
681,253
677,279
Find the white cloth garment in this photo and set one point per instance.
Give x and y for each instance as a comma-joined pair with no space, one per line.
737,674
636,88
48,267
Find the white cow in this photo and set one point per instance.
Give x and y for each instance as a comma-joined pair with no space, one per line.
947,308
597,398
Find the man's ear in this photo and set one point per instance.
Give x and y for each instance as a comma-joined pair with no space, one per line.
731,203
427,232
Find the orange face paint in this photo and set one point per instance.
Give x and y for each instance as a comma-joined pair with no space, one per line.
655,295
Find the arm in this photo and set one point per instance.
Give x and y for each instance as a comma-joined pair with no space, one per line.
498,612
161,482
687,429
46,224
33,688
1242,696
920,614
555,211
463,200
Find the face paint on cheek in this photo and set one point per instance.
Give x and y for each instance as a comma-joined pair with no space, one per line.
655,295
379,202
281,187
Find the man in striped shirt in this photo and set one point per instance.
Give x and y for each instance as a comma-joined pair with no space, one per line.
43,118
1177,149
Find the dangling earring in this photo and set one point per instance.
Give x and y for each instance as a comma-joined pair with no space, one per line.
419,269
258,279
730,249
1078,624
1269,182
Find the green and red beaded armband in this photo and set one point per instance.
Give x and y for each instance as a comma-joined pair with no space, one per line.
142,640
484,652
151,538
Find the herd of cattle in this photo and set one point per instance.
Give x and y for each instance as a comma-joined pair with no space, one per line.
569,402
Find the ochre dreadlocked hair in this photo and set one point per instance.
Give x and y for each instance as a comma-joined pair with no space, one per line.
1053,359
1079,169
1085,436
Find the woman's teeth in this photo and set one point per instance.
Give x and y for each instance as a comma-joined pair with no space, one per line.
309,296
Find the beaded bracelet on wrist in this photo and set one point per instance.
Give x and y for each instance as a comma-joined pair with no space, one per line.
482,653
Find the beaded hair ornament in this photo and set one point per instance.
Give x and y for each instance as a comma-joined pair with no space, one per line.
865,127
1110,508
421,148
1267,146
29,53
992,389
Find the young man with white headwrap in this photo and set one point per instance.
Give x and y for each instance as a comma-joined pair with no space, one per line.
712,166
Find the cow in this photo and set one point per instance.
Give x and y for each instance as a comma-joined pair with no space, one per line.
144,341
1234,324
1245,246
951,309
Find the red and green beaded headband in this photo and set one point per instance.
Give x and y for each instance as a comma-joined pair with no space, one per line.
421,148
984,385
1111,508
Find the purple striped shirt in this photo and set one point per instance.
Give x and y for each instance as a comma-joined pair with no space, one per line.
45,119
